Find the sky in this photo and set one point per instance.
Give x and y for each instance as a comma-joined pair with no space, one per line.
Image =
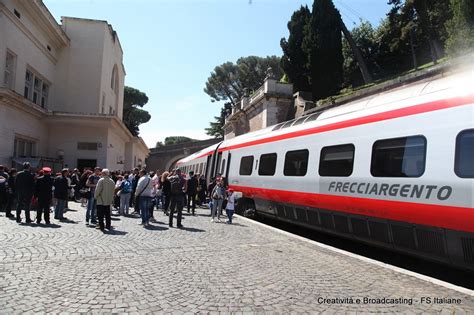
171,47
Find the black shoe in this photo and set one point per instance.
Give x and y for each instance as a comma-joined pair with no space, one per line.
47,222
170,225
38,222
180,226
9,215
28,221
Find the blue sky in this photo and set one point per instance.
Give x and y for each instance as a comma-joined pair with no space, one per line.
171,47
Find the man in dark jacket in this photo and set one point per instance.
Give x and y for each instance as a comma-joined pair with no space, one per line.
3,188
61,188
178,186
202,189
44,193
192,191
25,187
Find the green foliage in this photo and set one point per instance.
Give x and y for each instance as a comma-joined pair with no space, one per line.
133,115
413,33
177,139
322,44
460,27
294,60
365,39
229,81
215,129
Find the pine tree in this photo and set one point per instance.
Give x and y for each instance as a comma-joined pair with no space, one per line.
294,60
323,46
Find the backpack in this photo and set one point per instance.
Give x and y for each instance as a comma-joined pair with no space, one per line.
126,187
176,185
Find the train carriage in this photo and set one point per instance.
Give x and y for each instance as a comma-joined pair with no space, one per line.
395,170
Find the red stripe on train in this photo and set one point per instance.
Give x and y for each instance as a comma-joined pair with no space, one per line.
450,217
397,113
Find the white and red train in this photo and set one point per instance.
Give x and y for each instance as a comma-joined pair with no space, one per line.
395,170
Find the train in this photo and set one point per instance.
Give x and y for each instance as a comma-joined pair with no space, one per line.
394,170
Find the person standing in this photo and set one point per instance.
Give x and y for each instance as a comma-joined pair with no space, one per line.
3,189
166,191
104,195
191,191
25,186
125,193
44,194
230,205
11,193
144,194
218,195
75,183
177,188
134,180
202,189
61,193
91,203
84,190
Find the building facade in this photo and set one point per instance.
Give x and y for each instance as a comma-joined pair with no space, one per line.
270,104
61,91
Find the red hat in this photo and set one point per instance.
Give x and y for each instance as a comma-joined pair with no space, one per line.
46,169
230,190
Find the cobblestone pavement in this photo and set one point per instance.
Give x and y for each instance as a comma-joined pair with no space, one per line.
205,267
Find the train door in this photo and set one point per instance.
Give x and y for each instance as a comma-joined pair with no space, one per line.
213,162
229,155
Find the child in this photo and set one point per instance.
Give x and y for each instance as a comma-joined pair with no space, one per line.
230,205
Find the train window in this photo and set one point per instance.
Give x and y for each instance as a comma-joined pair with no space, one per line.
337,160
288,124
312,117
399,157
267,164
246,165
299,121
278,126
464,165
296,163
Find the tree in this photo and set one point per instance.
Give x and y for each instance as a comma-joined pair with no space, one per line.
177,140
364,39
323,46
133,115
215,129
229,82
294,59
460,27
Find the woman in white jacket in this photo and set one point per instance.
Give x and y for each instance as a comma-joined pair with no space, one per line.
144,193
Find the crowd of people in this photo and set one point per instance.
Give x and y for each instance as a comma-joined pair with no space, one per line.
100,191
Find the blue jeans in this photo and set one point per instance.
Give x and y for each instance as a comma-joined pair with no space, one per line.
230,213
145,203
91,210
59,209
